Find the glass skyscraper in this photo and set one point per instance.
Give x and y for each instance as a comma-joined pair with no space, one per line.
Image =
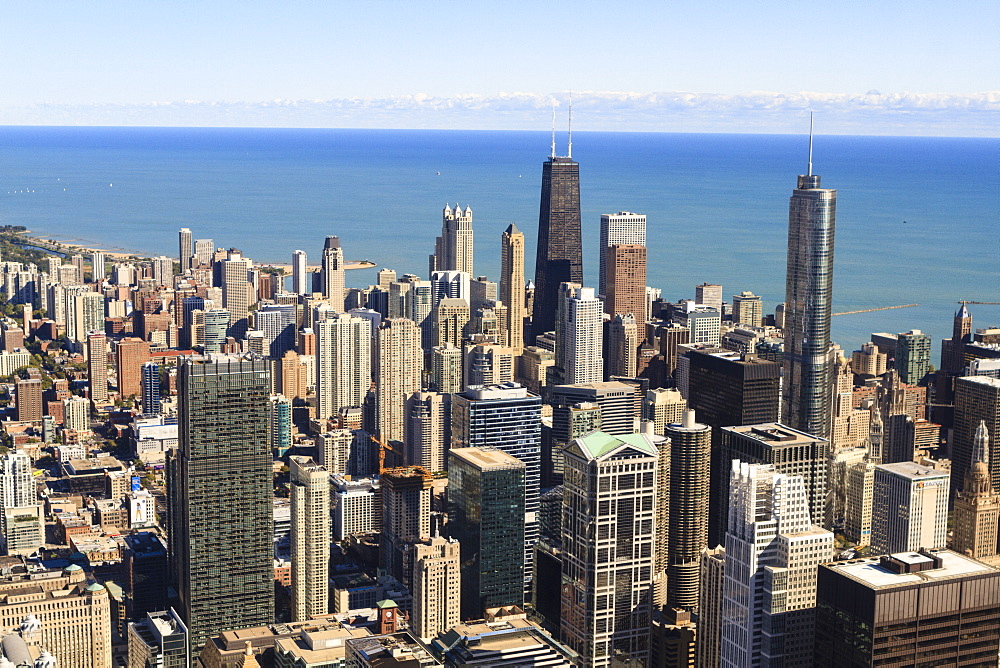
809,364
559,253
219,487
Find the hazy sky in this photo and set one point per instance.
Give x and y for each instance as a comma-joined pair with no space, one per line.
94,61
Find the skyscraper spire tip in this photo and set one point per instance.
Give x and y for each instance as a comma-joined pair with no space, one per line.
553,154
810,173
569,149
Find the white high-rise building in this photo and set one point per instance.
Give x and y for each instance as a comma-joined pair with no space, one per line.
343,363
203,250
437,584
909,508
185,249
399,366
21,520
608,536
333,274
772,554
17,485
97,266
426,430
618,229
450,285
453,249
579,335
310,538
301,278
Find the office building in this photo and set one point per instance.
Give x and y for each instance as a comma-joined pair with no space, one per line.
507,418
928,608
450,285
222,569
618,229
976,515
621,354
772,552
559,250
486,516
808,359
343,363
301,276
390,649
789,451
608,538
869,361
909,507
437,586
151,388
186,250
512,286
747,309
145,567
28,397
427,428
332,274
406,519
504,638
238,294
615,399
310,538
579,335
97,367
953,349
399,366
158,641
704,324
977,399
710,295
913,356
17,484
687,528
23,529
672,638
131,354
625,290
277,321
453,249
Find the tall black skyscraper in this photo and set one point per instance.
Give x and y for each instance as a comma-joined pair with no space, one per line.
807,394
559,255
219,489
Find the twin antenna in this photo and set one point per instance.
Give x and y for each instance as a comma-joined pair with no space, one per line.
570,138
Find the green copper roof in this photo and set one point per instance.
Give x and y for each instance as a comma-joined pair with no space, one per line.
73,568
597,443
386,604
95,587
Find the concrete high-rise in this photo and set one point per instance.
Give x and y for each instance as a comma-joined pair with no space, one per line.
621,350
332,272
767,619
808,356
977,399
687,528
186,251
219,489
28,396
622,228
607,555
913,356
343,363
559,250
437,586
625,290
151,388
747,309
453,249
446,368
301,278
406,519
98,268
512,285
237,292
579,335
427,427
508,418
310,538
486,511
932,607
909,507
710,295
97,367
398,369
451,319
976,515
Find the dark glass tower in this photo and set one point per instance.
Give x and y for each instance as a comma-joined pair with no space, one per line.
559,254
808,372
219,486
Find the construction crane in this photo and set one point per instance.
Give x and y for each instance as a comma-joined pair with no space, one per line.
382,447
881,308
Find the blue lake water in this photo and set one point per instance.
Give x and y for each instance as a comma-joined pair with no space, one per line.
717,205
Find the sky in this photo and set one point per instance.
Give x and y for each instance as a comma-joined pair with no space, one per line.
918,67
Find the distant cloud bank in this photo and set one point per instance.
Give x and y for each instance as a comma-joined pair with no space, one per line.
874,113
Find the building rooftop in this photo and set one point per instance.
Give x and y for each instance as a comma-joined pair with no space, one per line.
487,458
499,391
873,573
597,444
912,471
983,380
774,434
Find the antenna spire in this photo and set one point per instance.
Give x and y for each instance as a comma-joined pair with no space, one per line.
570,147
553,154
810,144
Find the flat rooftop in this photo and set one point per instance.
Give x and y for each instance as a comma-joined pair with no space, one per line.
774,434
870,573
913,471
487,459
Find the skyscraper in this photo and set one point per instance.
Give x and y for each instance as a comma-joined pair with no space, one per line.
977,399
332,271
608,534
184,257
909,507
151,388
453,249
621,350
808,374
747,309
486,511
310,538
622,228
98,270
301,279
406,519
237,292
625,290
559,251
219,487
437,586
97,367
512,285
977,507
398,369
913,356
772,552
579,335
343,363
427,427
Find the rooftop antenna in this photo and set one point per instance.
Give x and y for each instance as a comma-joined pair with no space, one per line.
810,144
553,154
570,148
